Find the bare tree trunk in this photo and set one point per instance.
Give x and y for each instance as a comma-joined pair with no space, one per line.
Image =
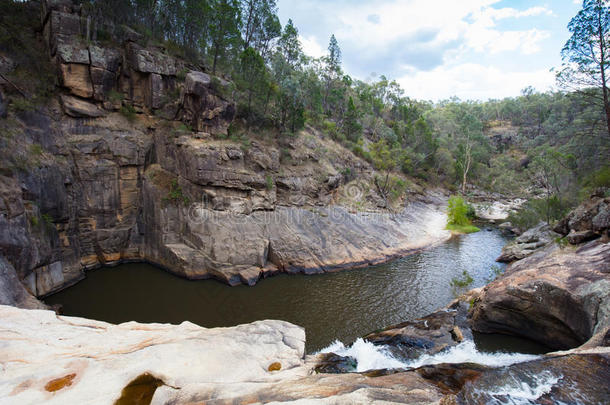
602,65
467,163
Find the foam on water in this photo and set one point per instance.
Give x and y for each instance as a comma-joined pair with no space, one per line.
519,392
371,357
466,352
367,355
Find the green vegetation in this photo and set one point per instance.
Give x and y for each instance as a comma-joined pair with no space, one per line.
175,194
48,220
537,145
496,271
457,216
562,242
32,82
128,111
463,281
115,97
269,182
36,149
462,228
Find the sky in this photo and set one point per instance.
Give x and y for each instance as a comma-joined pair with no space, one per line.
436,49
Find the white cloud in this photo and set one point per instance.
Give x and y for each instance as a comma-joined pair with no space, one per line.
470,48
473,81
311,47
474,20
507,12
527,42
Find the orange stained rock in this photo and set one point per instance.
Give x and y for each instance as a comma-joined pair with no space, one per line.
59,383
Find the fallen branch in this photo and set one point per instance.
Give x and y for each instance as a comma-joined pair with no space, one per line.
14,85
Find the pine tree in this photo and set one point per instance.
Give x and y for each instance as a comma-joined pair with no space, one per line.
585,54
334,55
351,125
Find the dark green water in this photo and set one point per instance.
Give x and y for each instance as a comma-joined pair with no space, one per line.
343,305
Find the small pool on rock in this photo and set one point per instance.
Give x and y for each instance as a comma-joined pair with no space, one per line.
343,305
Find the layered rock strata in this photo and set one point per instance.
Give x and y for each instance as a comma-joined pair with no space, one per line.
560,294
131,162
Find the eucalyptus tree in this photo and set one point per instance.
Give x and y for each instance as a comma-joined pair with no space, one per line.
260,24
224,30
586,54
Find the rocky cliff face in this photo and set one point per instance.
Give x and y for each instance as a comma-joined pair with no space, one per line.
560,294
130,161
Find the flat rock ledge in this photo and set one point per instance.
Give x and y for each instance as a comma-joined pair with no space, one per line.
53,359
66,360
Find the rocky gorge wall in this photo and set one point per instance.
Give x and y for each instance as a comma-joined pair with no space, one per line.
559,296
130,161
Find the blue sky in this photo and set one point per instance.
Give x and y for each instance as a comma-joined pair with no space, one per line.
473,49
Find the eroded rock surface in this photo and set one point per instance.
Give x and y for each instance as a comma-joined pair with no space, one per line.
573,379
557,296
428,335
497,210
131,162
65,360
58,360
588,221
528,243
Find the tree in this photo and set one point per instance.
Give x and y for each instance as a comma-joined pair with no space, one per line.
331,75
551,171
290,46
224,30
351,126
334,55
260,24
385,159
585,54
253,78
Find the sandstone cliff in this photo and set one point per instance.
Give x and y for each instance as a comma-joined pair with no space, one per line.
130,159
560,294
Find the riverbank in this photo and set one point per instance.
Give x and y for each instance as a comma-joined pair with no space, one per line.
59,359
341,305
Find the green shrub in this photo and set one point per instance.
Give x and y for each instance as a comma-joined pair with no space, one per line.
128,112
36,149
330,128
598,179
397,187
181,75
535,211
21,104
175,194
47,219
269,181
463,281
457,216
360,152
457,211
471,212
115,96
348,174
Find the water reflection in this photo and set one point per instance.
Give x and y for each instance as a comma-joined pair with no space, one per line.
343,305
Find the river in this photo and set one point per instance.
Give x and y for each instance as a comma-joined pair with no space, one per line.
335,306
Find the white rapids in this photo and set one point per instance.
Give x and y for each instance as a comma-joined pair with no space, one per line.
371,357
